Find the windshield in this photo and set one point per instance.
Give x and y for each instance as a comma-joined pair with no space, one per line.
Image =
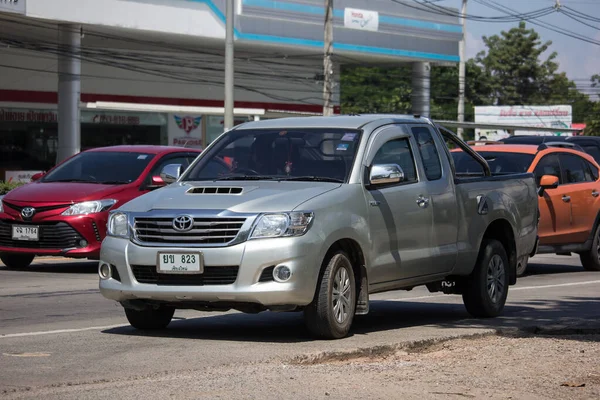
499,162
101,167
266,154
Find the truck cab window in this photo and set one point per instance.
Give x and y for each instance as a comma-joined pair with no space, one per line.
398,151
429,153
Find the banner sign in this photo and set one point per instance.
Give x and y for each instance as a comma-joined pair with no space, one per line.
185,130
13,6
361,19
19,176
87,117
557,117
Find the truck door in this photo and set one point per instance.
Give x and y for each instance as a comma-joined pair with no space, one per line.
438,174
554,206
400,214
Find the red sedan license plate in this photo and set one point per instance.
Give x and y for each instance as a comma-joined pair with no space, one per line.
26,233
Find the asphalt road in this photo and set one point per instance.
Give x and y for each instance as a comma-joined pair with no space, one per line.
57,331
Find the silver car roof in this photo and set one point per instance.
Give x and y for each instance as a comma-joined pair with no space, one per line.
336,121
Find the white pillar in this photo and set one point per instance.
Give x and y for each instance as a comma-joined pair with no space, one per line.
69,92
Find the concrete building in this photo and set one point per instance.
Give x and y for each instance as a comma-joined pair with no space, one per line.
76,74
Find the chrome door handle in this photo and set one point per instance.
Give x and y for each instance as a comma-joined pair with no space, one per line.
566,199
595,194
422,201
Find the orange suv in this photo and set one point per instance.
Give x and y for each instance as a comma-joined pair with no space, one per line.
568,188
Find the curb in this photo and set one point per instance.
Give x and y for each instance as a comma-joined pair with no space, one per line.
564,327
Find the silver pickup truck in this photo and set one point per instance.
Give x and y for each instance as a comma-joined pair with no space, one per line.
315,214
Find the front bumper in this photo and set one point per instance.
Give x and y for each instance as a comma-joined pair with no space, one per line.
77,236
253,282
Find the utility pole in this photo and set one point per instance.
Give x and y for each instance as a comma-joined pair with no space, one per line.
228,121
327,64
461,71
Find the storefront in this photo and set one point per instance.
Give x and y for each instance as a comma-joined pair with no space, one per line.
29,137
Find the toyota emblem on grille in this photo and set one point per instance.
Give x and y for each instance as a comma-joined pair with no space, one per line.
27,212
183,223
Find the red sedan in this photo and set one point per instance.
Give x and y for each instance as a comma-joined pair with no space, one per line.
64,211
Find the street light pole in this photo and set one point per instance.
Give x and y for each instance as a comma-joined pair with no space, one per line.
327,64
461,71
228,120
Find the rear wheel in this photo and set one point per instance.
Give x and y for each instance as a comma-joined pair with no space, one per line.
591,259
331,313
487,287
16,261
150,318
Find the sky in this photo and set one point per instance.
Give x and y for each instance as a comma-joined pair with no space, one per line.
580,60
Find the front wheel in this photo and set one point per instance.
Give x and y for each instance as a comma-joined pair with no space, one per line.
487,287
330,314
150,318
16,261
591,259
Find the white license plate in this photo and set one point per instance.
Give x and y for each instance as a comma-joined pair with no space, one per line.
180,263
26,233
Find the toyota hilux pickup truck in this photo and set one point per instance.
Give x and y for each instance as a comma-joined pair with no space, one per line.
315,214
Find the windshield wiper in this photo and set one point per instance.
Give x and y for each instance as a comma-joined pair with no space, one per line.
113,182
244,178
312,178
72,180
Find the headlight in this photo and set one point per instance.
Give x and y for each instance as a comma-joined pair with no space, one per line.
90,207
282,225
118,225
1,206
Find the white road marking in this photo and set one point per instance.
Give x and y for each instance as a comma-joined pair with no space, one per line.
509,290
27,354
92,328
554,286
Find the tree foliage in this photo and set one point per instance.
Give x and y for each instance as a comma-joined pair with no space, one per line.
592,120
514,69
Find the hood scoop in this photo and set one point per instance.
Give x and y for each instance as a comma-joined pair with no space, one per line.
215,190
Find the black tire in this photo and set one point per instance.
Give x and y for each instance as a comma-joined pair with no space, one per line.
16,261
150,318
480,300
321,316
591,259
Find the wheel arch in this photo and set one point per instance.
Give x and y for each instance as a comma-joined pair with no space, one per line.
501,230
358,260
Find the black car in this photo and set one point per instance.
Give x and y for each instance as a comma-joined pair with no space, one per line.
589,144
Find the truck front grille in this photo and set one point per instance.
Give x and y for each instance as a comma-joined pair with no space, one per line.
204,231
211,276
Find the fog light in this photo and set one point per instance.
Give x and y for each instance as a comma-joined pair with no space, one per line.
104,271
282,273
83,243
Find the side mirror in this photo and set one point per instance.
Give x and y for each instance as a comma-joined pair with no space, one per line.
157,182
547,182
383,174
170,173
37,177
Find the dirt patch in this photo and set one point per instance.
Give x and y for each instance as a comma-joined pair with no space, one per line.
489,366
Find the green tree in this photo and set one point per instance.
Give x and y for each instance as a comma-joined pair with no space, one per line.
375,89
592,120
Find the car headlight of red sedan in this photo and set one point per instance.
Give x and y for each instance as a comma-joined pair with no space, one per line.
89,207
